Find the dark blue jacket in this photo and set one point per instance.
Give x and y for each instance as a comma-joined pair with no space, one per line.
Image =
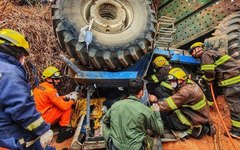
18,115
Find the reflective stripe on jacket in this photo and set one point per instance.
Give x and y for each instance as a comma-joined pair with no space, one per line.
18,115
160,77
163,83
221,67
46,97
189,104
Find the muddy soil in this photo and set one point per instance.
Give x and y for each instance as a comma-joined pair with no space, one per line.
217,142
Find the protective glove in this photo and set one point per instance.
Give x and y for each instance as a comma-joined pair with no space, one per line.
155,107
46,138
152,98
104,109
73,96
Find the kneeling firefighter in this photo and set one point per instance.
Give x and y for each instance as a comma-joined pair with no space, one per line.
187,107
55,108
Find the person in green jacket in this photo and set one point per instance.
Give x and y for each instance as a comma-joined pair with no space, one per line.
128,121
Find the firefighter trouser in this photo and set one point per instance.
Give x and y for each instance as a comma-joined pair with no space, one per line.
54,115
232,96
172,122
207,91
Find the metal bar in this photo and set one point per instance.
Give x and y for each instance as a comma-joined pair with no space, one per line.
165,21
75,144
177,57
164,41
71,65
91,75
159,143
169,140
167,30
88,128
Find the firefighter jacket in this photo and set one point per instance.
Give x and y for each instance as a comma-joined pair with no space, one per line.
219,66
189,104
159,78
127,121
19,118
46,97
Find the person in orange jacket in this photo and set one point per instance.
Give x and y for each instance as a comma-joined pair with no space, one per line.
54,108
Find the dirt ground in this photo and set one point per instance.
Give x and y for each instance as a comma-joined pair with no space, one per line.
216,142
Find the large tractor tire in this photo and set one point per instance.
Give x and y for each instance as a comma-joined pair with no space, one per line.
123,31
230,27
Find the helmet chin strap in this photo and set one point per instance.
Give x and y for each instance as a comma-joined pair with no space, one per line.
53,82
11,50
196,53
22,60
8,50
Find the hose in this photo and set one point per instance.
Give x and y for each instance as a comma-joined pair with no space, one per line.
225,127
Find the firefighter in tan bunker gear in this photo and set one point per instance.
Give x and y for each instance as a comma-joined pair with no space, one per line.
187,107
225,70
157,82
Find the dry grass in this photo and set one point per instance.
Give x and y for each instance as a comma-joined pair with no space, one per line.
35,23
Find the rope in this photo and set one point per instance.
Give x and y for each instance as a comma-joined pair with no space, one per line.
225,127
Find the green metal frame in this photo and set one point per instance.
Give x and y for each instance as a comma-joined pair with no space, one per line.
195,18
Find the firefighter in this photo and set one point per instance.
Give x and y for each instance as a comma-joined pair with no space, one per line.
217,66
187,107
21,125
54,108
127,121
157,83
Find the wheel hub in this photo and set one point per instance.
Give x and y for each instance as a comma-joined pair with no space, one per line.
109,16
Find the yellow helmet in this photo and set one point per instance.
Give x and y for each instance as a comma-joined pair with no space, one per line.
196,44
14,38
160,61
51,72
177,73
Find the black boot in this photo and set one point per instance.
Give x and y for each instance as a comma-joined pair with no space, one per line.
199,132
81,138
212,130
234,132
64,133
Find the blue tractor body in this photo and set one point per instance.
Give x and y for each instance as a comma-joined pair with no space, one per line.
139,69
